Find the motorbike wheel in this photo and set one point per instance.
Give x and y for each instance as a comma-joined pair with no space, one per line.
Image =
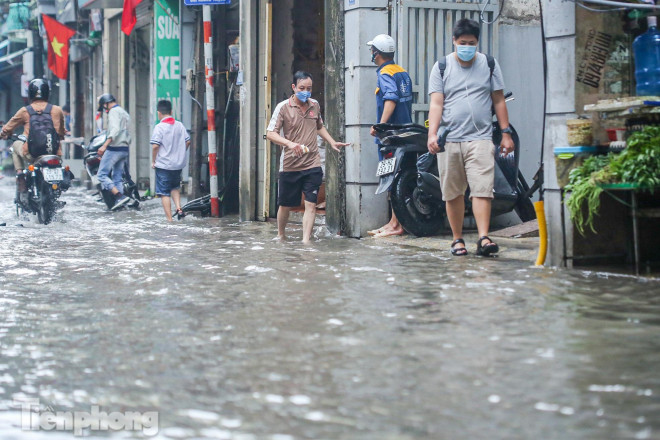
46,206
416,217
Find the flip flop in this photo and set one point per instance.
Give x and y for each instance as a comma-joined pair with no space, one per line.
458,252
180,214
489,249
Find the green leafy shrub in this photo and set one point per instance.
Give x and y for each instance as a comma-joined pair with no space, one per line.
639,163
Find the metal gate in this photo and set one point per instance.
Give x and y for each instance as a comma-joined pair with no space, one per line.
423,32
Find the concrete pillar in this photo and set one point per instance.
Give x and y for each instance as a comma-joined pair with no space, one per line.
248,109
64,90
363,19
559,25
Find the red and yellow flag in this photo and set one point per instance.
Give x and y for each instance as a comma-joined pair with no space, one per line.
128,16
58,46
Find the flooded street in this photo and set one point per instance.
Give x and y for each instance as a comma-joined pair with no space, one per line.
228,334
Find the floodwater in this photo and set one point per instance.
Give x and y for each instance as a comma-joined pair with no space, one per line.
227,334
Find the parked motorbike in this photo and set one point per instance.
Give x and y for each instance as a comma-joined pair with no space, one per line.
201,205
92,160
411,173
44,182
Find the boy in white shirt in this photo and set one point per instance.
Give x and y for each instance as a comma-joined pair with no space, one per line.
170,142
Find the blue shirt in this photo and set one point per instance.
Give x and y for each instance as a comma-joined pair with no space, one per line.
394,84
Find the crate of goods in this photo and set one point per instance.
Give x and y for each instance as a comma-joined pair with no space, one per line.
568,158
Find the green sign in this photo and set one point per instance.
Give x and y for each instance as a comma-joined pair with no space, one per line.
167,50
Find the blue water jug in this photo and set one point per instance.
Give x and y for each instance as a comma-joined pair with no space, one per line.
647,60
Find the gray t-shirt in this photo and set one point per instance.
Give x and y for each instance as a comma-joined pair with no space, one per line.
468,101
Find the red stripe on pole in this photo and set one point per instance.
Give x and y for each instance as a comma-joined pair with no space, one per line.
207,32
213,164
210,116
215,207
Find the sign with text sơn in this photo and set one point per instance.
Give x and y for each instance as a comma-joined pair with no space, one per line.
167,54
206,2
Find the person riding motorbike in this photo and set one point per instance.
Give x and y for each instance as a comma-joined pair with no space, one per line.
47,123
114,152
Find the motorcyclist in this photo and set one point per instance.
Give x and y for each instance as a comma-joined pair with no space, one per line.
28,151
38,93
114,152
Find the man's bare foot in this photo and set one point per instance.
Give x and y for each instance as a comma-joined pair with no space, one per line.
388,227
280,238
390,232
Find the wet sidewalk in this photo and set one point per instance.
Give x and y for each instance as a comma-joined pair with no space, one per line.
514,242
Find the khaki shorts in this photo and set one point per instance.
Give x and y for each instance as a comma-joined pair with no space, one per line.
467,163
18,157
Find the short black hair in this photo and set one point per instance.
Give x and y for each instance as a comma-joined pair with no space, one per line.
465,26
164,107
66,108
300,75
387,55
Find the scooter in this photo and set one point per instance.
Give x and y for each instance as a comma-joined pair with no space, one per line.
411,174
92,161
43,182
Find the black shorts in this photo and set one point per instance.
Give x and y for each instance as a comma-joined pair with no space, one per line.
294,183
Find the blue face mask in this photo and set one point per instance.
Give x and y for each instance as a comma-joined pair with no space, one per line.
303,96
466,53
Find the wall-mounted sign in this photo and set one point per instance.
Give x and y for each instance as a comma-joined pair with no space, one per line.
167,53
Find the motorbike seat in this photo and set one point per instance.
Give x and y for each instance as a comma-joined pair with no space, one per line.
42,161
411,126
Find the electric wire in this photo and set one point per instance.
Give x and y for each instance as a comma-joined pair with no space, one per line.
483,9
545,92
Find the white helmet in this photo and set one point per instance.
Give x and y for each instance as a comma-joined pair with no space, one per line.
383,43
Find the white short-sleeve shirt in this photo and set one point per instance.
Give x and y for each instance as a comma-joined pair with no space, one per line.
171,135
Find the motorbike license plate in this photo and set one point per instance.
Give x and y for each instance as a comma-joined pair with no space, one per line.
53,174
386,166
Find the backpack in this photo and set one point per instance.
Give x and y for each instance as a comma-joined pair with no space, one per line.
442,65
43,138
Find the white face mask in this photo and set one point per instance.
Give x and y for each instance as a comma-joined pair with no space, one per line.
466,53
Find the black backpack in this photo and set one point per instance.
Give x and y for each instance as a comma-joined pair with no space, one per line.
442,65
43,138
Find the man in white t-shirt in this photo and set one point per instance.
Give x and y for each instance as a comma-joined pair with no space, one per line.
170,142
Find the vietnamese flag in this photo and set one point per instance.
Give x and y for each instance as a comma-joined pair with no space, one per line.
58,46
128,16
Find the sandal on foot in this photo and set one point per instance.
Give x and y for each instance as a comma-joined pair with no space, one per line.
458,252
488,249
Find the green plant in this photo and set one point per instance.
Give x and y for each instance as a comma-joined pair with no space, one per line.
639,163
583,188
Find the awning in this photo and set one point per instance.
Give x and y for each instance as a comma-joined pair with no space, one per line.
103,4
